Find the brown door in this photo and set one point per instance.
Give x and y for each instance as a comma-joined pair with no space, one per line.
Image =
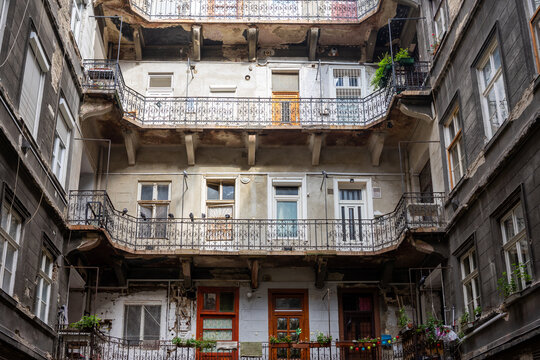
288,313
358,322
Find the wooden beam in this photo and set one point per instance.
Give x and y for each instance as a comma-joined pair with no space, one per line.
321,272
190,148
131,142
252,148
315,144
137,41
313,41
375,146
254,269
196,40
186,273
252,38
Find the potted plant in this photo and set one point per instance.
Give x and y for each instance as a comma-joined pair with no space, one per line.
464,321
322,340
380,79
87,323
404,58
435,45
300,344
284,342
477,312
403,320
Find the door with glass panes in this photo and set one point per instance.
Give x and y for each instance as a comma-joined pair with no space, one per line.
289,314
352,211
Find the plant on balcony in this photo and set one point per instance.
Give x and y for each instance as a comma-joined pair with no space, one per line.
380,79
519,273
464,321
434,331
403,320
404,58
478,312
193,343
280,342
435,45
322,340
87,323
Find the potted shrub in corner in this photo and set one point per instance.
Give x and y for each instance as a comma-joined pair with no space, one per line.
403,58
321,340
380,79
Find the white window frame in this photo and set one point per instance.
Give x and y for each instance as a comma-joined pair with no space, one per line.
142,304
77,12
440,14
44,279
3,18
274,181
454,144
206,203
154,200
363,83
531,7
364,184
514,242
160,91
484,89
6,240
470,278
35,49
69,121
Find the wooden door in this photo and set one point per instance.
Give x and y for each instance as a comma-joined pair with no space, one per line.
288,313
358,321
285,108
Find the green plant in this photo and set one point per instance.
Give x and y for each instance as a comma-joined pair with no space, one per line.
193,343
403,319
283,340
435,45
402,54
519,273
87,322
477,312
434,330
323,339
298,332
380,78
464,319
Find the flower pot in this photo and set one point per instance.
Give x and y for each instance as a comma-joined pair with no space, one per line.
346,344
280,346
319,345
406,61
301,345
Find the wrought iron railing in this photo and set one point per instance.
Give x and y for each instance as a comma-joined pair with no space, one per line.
74,344
414,210
349,11
250,112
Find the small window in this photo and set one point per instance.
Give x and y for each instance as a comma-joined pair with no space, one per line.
33,81
11,224
142,323
440,22
76,19
469,281
4,6
43,295
62,140
492,91
220,208
154,201
454,149
160,84
516,248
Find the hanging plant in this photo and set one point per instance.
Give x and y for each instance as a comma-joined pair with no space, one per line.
380,79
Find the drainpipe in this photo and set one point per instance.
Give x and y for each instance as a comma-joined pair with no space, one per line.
484,325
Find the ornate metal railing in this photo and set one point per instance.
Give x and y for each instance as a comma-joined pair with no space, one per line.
349,11
74,344
414,210
249,112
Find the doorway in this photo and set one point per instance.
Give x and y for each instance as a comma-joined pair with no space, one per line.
285,98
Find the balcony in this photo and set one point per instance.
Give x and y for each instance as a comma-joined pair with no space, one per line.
301,11
93,210
102,76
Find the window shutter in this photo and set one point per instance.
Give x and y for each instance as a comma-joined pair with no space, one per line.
62,129
285,82
30,90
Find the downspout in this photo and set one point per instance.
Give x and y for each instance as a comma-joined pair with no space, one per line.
484,325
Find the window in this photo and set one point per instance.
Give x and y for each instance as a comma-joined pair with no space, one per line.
516,249
348,93
11,224
285,98
469,280
534,24
287,204
160,84
4,5
532,6
142,323
43,296
220,208
32,88
76,19
454,152
217,310
492,91
62,139
439,22
154,200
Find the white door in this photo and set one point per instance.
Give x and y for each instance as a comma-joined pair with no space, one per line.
352,212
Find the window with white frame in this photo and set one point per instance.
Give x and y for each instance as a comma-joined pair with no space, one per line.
219,208
348,87
160,84
43,295
154,200
287,208
440,22
516,248
62,140
469,281
36,66
10,235
142,322
76,19
454,150
492,90
4,5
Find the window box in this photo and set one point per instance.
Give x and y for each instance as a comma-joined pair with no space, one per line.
346,344
317,344
301,345
280,345
406,61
